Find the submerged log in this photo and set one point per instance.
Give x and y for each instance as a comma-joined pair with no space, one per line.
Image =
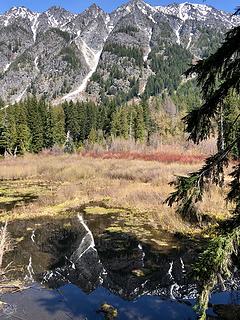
3,242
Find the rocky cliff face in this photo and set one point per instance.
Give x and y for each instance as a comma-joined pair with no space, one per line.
63,56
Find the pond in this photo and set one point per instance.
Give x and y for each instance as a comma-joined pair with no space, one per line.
72,265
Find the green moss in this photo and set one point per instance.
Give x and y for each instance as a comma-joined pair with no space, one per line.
109,311
102,210
115,229
10,199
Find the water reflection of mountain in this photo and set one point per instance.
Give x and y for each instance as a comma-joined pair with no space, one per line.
61,252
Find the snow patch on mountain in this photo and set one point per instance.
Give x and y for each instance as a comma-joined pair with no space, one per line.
186,11
17,12
20,12
109,24
189,41
92,58
21,95
6,67
149,49
144,7
6,22
151,7
181,23
183,14
36,64
147,10
177,31
52,20
34,26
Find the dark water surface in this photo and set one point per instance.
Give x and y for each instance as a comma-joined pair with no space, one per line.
73,265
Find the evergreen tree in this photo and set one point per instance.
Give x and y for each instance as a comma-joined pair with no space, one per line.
102,119
49,128
24,138
116,123
23,142
3,138
8,131
58,116
90,118
12,129
71,120
69,145
139,125
219,77
36,113
124,123
231,123
82,128
92,138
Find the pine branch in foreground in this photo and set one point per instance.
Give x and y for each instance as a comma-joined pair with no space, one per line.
214,265
190,189
219,78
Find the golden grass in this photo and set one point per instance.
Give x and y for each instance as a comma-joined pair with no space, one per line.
69,181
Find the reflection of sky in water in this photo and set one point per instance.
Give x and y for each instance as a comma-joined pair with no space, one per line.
231,297
144,308
70,302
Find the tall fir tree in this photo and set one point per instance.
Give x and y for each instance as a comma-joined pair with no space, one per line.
219,78
58,118
139,125
23,132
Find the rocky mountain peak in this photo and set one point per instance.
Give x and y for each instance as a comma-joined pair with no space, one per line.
137,4
187,10
19,12
57,17
201,12
94,10
95,7
16,13
137,8
57,10
71,56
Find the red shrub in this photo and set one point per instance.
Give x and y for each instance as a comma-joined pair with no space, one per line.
166,157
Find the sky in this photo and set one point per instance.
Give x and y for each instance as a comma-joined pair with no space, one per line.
78,6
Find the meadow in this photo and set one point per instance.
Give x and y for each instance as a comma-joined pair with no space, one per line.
135,184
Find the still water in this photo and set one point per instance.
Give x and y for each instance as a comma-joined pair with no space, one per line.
73,265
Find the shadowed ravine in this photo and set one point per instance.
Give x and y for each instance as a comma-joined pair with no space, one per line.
73,265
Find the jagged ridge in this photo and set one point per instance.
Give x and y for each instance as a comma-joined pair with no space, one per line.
62,55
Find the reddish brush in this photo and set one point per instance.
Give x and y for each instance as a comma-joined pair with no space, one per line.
165,157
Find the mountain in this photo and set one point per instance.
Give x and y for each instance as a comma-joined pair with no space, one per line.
136,50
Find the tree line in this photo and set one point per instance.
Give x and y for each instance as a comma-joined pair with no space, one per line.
33,125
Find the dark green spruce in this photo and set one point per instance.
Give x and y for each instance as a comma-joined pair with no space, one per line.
219,79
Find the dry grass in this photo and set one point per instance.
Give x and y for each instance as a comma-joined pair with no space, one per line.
172,145
74,180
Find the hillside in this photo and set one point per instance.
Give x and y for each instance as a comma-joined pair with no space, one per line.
137,50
